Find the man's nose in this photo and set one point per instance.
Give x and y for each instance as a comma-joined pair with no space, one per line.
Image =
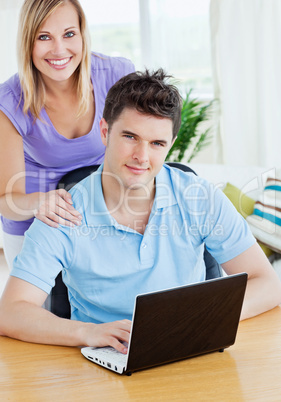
141,153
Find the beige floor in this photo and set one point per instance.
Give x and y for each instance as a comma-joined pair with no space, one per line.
4,272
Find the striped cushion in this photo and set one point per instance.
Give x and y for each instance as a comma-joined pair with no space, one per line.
265,221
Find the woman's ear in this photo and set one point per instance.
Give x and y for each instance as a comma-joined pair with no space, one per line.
103,131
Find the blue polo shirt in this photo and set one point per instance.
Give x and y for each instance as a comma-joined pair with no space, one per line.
105,264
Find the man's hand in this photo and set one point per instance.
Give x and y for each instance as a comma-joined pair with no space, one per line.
22,317
109,334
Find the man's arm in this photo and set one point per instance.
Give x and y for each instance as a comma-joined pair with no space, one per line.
263,288
22,317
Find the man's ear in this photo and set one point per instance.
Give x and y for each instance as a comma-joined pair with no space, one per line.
104,131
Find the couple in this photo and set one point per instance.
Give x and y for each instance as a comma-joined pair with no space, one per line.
140,231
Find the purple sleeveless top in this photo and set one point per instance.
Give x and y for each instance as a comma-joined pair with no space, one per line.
49,155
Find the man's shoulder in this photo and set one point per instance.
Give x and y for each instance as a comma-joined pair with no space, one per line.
180,177
81,189
187,188
41,234
84,191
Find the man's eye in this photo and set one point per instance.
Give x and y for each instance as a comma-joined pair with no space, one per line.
69,34
158,144
130,137
44,37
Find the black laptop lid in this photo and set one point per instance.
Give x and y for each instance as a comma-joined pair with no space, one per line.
182,322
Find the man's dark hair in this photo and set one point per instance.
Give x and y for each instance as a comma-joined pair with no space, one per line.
146,92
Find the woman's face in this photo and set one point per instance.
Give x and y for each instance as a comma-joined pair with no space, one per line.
57,50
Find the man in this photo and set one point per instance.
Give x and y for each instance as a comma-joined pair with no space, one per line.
144,228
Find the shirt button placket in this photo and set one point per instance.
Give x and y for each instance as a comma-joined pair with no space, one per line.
143,252
146,259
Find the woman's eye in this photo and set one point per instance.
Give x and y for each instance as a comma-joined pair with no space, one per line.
44,37
69,34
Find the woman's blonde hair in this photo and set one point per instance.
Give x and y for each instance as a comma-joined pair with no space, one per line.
33,14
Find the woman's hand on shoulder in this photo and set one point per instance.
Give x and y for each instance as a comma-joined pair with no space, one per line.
56,209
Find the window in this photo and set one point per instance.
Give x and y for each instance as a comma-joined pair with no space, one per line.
114,27
173,34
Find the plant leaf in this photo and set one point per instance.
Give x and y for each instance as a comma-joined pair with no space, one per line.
193,113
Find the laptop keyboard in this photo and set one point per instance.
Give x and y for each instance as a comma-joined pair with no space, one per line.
110,354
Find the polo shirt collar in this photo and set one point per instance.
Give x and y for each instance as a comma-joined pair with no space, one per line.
97,213
164,196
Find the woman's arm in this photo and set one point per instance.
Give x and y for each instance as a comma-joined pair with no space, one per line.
52,208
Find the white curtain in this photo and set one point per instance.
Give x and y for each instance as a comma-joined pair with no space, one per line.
246,53
175,36
9,12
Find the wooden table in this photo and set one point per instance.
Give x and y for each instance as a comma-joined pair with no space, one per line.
250,370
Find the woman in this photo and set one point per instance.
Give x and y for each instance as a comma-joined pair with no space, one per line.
49,116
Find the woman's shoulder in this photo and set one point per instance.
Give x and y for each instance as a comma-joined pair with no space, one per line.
107,70
100,61
11,102
11,89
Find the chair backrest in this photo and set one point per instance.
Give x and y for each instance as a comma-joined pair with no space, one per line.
59,296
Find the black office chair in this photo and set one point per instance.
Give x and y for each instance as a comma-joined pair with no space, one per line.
59,296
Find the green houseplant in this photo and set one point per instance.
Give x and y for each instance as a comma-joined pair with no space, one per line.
193,113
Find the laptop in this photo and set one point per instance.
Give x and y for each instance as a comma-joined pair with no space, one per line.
178,323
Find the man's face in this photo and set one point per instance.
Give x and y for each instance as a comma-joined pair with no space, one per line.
136,148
